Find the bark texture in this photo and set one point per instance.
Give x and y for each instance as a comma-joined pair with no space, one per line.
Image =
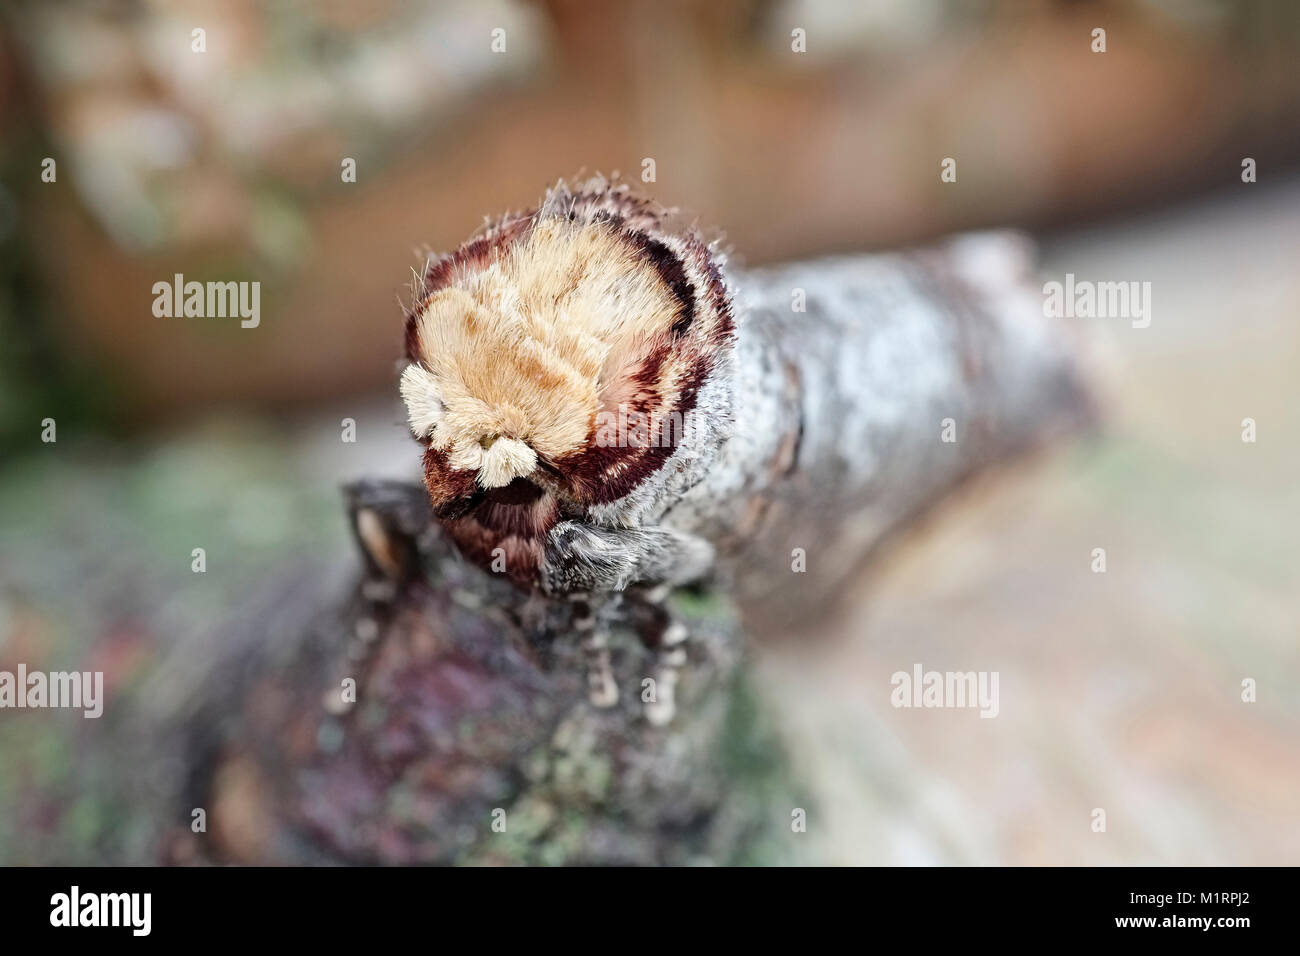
471,739
906,374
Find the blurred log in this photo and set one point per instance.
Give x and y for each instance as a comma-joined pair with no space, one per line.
471,739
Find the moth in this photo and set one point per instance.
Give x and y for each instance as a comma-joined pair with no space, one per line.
603,416
569,379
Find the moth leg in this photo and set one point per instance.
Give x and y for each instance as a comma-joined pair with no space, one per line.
590,620
583,559
592,559
667,637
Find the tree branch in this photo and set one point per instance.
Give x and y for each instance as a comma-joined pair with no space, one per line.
471,738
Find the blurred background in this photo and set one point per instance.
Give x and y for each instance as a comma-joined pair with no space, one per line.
1119,691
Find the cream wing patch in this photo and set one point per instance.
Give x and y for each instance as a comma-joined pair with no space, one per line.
423,403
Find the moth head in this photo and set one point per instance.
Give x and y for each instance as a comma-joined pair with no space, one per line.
474,437
525,338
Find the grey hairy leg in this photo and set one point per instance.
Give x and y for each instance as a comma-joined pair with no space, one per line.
666,636
589,558
591,620
591,561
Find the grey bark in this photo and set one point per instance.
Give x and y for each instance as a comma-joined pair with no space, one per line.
840,411
471,706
